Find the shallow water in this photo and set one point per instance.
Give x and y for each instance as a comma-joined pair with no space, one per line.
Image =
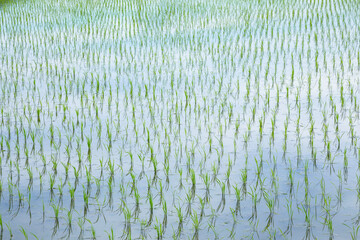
193,82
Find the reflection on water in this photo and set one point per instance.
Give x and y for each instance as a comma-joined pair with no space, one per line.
179,119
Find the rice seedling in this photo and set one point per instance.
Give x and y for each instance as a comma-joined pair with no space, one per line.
22,230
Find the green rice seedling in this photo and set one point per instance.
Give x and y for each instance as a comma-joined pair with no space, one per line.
180,171
346,163
215,169
131,161
110,191
159,230
56,210
258,169
79,154
196,223
142,160
189,200
206,180
52,183
180,220
25,134
232,231
328,151
238,198
32,135
165,211
244,176
339,190
228,172
271,206
2,144
81,222
111,234
22,230
355,231
358,187
254,196
31,177
28,200
216,235
290,214
246,138
127,226
93,232
202,207
193,181
72,197
210,144
20,205
38,111
17,152
54,162
306,211
328,217
167,170
51,129
154,162
358,158
86,196
237,126
111,167
261,129
89,141
161,192
10,230
1,226
222,202
69,221
151,207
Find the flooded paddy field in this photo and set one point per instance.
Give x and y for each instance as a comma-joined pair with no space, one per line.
167,119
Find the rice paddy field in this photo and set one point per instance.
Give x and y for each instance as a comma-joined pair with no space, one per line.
164,119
